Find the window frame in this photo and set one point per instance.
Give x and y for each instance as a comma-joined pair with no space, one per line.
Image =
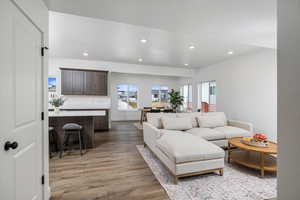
160,94
127,97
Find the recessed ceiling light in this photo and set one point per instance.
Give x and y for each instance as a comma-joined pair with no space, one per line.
140,60
192,47
230,52
186,64
85,54
143,41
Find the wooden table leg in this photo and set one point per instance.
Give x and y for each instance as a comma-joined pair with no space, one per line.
262,164
221,171
229,150
142,117
175,179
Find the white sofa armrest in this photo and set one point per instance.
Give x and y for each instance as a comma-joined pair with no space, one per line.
151,133
244,125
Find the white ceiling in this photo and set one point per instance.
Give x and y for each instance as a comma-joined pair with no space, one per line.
112,30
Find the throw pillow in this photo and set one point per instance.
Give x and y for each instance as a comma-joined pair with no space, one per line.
182,123
210,121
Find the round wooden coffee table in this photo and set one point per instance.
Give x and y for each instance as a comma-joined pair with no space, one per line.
261,158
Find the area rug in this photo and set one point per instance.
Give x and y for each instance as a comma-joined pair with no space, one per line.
138,125
238,183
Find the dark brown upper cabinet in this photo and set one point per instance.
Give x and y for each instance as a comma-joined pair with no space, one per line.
77,82
80,82
95,83
66,82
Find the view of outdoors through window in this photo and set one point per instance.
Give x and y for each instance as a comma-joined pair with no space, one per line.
207,94
186,92
160,94
127,97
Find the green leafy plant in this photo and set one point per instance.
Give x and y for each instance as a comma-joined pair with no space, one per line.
175,99
57,101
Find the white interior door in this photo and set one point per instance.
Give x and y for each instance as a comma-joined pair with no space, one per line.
20,105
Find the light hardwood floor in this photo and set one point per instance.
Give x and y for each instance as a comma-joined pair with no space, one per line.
114,170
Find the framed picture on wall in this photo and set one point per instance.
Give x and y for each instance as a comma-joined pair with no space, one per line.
52,84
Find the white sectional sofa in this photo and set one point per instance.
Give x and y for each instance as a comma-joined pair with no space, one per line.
190,143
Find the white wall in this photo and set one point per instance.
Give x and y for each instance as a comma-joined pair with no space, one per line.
246,89
288,99
56,63
144,83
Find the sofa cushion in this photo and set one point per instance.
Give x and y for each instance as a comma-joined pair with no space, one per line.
174,123
182,148
193,117
231,132
219,115
210,121
207,133
155,118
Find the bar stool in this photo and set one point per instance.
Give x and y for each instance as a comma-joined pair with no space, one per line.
71,129
52,141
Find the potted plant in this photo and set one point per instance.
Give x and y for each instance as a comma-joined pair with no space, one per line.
176,99
56,102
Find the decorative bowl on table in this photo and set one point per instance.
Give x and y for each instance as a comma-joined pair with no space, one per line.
258,140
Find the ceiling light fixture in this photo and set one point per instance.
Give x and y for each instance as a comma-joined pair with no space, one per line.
140,60
192,47
85,54
186,64
143,41
230,52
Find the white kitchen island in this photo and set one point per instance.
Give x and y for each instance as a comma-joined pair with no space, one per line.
78,113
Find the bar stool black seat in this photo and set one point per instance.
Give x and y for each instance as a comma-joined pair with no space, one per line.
72,129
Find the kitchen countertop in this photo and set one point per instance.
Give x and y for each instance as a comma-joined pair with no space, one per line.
86,113
81,108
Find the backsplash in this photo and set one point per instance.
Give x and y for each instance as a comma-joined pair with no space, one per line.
86,102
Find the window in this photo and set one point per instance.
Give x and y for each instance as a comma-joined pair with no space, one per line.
160,94
127,97
186,92
207,94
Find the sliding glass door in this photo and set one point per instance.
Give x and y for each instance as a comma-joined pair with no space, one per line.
207,95
186,92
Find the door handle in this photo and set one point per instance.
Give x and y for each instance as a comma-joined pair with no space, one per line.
8,145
